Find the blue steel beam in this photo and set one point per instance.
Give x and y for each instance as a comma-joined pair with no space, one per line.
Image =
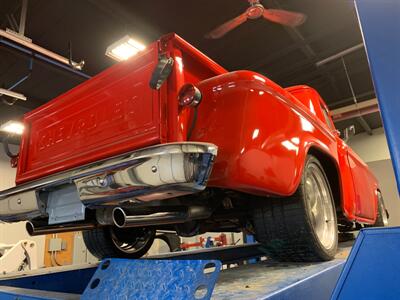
71,281
372,269
380,23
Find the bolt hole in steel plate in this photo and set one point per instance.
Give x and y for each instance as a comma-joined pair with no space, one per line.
153,279
209,268
105,264
200,292
95,283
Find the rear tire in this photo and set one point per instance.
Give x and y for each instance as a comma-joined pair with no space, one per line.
173,241
302,227
116,242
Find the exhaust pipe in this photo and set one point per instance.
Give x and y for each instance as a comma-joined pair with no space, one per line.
34,229
122,220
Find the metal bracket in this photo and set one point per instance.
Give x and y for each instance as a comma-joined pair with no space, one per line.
153,279
7,150
74,65
64,205
161,72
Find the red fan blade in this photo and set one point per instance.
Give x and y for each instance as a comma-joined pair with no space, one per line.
284,17
226,27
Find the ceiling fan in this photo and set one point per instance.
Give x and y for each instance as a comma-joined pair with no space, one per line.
255,11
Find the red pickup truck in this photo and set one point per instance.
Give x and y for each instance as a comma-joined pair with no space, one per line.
170,140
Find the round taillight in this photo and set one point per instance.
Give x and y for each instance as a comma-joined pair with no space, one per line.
189,95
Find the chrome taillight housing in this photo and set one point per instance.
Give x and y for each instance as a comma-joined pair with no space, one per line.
189,95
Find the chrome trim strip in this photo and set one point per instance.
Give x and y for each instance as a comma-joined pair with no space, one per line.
92,168
169,160
180,170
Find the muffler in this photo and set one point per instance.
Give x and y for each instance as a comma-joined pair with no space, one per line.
40,228
122,220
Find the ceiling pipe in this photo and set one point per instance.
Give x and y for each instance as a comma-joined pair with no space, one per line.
355,110
31,49
339,55
355,113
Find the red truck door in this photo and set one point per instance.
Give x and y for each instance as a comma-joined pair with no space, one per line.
364,186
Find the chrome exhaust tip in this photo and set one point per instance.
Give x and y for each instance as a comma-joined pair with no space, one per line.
40,228
122,220
30,228
119,217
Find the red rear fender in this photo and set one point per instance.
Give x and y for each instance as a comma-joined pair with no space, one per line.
262,135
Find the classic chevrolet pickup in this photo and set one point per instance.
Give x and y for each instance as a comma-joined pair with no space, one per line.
170,140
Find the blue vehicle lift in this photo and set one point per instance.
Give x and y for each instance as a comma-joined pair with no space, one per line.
372,271
380,25
180,275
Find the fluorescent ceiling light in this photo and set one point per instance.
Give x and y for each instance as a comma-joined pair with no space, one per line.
124,48
12,94
13,127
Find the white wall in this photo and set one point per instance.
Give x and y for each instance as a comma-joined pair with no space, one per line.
7,174
373,149
383,170
12,233
370,147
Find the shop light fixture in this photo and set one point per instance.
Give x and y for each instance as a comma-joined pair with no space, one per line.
124,48
12,94
12,127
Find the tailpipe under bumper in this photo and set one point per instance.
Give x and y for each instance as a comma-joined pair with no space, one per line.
37,228
122,219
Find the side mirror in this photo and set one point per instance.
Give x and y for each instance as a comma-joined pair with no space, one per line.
349,132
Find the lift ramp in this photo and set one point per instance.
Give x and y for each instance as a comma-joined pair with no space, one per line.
182,275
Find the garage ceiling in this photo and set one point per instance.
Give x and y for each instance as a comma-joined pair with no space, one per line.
285,55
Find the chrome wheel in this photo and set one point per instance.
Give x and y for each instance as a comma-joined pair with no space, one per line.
108,241
131,241
320,206
382,210
384,216
303,226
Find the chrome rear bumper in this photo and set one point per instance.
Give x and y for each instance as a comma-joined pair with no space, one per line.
154,173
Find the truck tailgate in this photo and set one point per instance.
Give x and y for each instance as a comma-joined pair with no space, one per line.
114,112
